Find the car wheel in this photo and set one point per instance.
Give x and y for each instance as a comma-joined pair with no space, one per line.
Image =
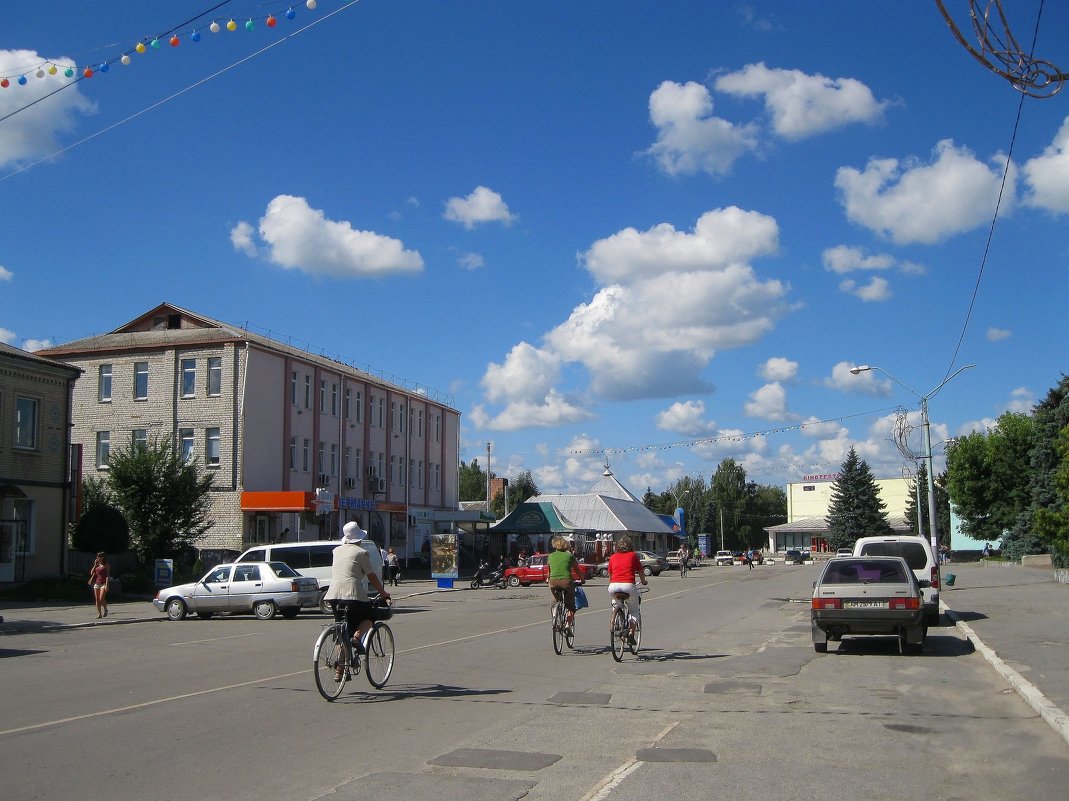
176,609
647,571
205,615
820,647
264,610
290,612
604,573
514,581
324,604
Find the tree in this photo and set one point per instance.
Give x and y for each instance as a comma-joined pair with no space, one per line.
989,483
1052,522
729,500
95,491
1047,459
102,528
856,509
472,482
519,490
918,497
164,498
766,506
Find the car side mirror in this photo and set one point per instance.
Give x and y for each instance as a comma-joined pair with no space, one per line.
814,585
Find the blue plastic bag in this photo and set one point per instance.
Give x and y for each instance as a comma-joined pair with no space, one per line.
581,601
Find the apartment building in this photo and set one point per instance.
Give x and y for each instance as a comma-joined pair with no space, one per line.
298,443
35,464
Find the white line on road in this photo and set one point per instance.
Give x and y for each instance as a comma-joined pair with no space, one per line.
612,781
216,639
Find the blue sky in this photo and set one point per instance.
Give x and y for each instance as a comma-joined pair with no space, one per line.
653,233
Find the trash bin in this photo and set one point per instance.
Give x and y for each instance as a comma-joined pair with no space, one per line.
949,579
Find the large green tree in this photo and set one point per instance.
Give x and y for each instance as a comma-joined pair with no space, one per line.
856,509
1046,460
472,482
1052,522
729,501
918,497
164,498
766,506
989,480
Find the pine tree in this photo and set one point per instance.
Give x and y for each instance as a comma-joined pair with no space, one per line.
856,508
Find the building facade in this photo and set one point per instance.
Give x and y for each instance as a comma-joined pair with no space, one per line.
35,464
298,444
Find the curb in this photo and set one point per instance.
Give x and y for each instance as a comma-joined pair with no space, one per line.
1054,716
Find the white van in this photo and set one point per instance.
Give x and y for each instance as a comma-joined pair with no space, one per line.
313,558
917,552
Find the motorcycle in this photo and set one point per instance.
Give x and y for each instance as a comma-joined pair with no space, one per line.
485,577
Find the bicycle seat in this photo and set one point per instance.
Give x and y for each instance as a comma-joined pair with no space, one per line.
621,596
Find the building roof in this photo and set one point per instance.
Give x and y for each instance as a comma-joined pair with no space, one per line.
533,517
34,360
819,525
607,507
180,327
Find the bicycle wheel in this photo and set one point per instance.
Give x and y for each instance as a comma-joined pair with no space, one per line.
558,627
331,662
379,659
569,632
617,634
633,646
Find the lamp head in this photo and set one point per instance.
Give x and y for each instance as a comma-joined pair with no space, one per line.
861,368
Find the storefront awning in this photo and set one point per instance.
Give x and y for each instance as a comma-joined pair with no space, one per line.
278,502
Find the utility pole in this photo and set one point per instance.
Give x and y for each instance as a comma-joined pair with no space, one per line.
488,477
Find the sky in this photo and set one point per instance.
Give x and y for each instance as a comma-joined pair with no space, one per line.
649,235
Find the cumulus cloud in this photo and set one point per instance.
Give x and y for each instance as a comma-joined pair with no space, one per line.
778,369
628,345
1022,401
524,384
802,105
481,206
686,418
689,138
7,337
297,237
845,259
471,261
814,428
33,133
877,289
34,345
997,334
866,383
1047,176
911,202
768,403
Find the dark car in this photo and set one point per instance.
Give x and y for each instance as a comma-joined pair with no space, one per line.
793,557
652,564
868,595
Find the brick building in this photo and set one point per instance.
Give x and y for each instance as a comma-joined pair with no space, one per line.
279,428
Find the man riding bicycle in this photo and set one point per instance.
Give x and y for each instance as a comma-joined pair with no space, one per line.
624,566
564,574
356,564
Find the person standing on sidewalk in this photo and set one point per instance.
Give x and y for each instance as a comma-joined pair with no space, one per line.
393,567
99,575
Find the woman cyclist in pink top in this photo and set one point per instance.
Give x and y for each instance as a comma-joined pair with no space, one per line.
624,566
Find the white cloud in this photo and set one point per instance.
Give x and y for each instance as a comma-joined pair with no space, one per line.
865,383
524,383
32,133
768,403
803,105
911,202
1022,401
845,259
481,206
877,289
814,428
34,345
471,261
778,369
5,274
7,337
298,237
687,418
689,138
1047,176
997,334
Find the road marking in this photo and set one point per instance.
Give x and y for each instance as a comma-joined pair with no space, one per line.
216,639
613,780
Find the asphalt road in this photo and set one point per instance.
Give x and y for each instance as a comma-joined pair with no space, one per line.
727,699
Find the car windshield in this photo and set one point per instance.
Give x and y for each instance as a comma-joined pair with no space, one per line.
282,570
913,552
860,571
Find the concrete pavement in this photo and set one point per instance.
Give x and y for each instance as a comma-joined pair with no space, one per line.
1017,617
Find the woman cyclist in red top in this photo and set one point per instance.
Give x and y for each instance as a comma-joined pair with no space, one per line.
624,566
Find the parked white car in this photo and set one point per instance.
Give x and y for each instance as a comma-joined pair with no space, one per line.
725,558
263,588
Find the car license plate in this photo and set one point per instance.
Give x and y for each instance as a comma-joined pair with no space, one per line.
864,604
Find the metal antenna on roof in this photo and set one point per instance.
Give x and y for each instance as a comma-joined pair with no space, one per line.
607,468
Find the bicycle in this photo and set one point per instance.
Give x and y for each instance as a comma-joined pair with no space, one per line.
562,632
619,637
683,568
335,662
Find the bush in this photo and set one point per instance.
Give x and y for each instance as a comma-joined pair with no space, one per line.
56,588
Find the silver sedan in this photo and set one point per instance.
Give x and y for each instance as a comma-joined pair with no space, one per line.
263,588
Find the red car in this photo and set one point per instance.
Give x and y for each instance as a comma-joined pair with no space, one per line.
536,570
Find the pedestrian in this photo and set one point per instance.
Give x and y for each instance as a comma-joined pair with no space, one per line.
99,576
392,566
987,549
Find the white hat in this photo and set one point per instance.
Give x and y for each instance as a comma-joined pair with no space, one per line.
351,532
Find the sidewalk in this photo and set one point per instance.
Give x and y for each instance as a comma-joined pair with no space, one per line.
1018,618
21,617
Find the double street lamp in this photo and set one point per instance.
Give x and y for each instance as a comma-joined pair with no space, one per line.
682,519
927,437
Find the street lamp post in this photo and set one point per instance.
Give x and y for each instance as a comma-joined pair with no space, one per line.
933,533
682,517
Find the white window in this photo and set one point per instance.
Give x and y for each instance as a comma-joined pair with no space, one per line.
437,477
419,474
25,423
307,455
189,378
140,380
139,438
211,446
382,464
215,376
437,428
293,453
347,463
382,412
104,384
103,448
333,460
185,444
